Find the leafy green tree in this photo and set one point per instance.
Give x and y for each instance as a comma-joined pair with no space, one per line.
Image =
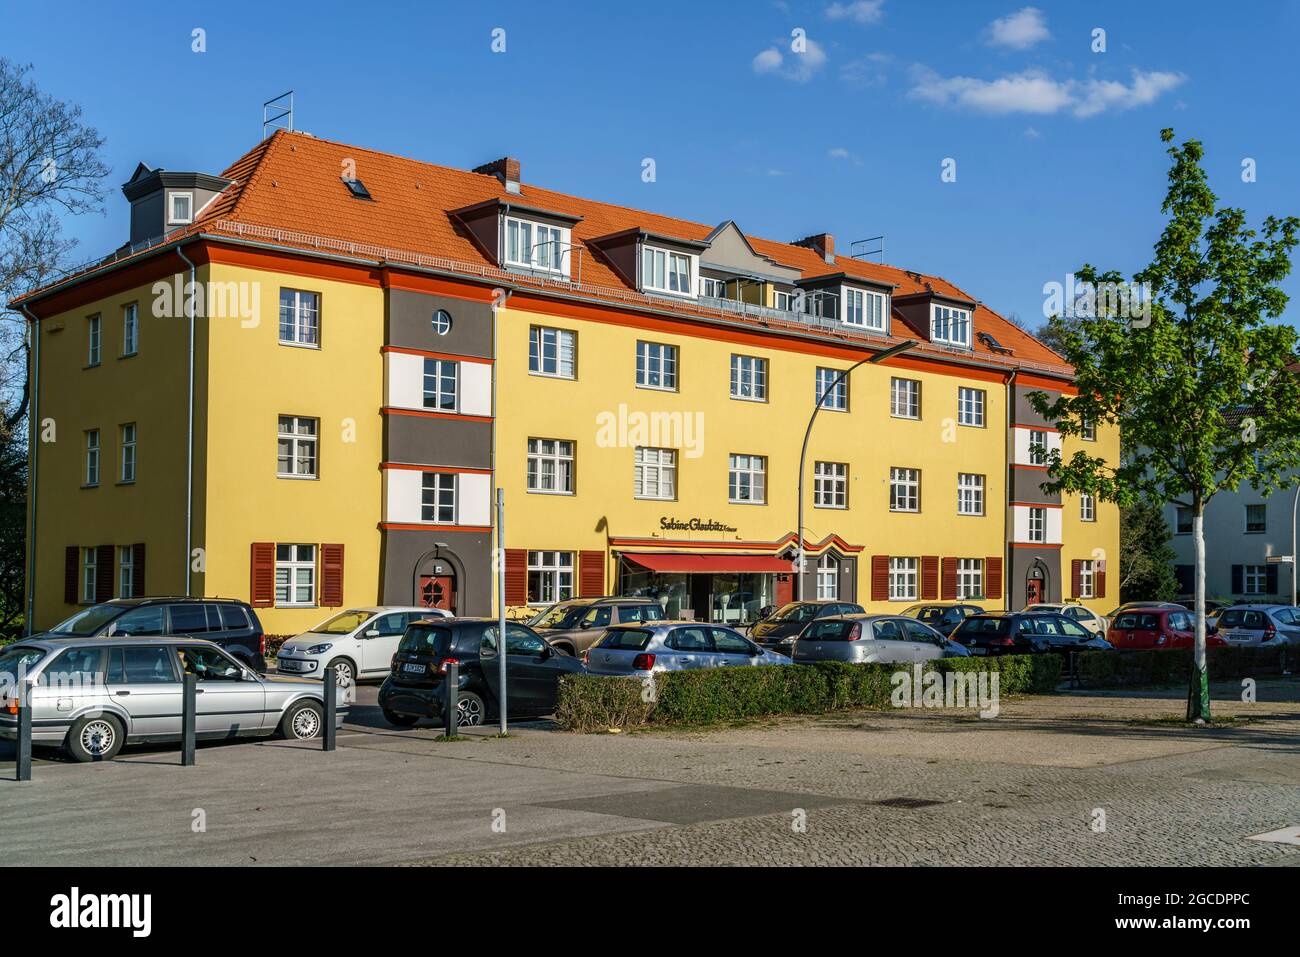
1186,362
1146,559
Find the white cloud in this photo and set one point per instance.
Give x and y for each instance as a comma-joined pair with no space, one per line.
838,152
1031,133
1020,30
1033,91
860,11
768,61
801,67
867,71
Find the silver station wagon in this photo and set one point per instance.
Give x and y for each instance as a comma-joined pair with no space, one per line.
873,638
92,695
673,646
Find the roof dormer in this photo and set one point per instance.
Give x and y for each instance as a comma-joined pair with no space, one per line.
653,263
944,320
520,237
854,301
162,201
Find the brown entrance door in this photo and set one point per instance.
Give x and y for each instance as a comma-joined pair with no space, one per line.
1033,591
438,591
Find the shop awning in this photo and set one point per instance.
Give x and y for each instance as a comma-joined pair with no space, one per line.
706,564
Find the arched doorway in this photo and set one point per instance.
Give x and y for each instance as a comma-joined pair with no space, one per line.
436,580
1036,584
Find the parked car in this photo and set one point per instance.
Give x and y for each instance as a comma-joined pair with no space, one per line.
415,688
1156,628
778,631
674,646
870,638
92,695
1213,609
1130,605
942,617
357,643
1268,626
1094,622
231,624
1025,632
571,626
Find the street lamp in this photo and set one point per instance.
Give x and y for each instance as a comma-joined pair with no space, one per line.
803,454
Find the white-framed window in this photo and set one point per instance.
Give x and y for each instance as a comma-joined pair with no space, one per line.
296,447
1256,519
950,325
1037,447
127,471
180,208
92,340
536,245
1087,507
863,308
1087,579
295,575
970,494
89,574
550,466
438,498
440,381
1088,431
1038,524
299,317
664,271
828,577
837,399
656,366
970,406
655,473
783,300
904,490
125,571
902,579
1254,579
92,456
747,479
130,329
552,352
830,485
749,378
550,577
904,398
970,578
713,288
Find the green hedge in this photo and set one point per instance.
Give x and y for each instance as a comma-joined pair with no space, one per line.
704,696
1118,669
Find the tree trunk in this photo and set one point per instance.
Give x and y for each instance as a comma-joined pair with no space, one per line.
1198,692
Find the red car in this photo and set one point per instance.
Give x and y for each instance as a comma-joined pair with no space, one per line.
1156,628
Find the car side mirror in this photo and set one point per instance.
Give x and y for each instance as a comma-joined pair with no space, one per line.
546,651
372,633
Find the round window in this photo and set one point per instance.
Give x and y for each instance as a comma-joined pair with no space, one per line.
442,322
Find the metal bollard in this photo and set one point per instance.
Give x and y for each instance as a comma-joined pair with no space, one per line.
189,706
331,706
23,768
451,707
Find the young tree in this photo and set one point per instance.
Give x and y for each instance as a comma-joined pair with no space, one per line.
1187,364
1146,559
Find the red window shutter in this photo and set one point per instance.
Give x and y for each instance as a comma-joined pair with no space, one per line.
880,578
591,574
331,576
948,588
104,572
929,577
993,577
516,576
137,569
1076,578
71,569
261,589
1099,584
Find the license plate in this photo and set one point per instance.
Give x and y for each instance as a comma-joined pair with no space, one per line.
978,651
414,668
286,665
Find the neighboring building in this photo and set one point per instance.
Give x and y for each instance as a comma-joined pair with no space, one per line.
1243,530
379,344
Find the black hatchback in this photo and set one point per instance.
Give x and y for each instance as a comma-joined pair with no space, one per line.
415,688
1025,633
778,631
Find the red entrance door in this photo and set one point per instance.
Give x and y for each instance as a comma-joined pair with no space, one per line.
438,591
1033,591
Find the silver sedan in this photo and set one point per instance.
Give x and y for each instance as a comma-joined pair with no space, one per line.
888,639
673,646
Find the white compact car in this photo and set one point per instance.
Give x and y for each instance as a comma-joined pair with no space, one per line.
1095,623
357,643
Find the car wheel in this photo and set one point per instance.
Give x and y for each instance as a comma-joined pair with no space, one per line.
473,712
302,722
95,738
345,671
399,720
567,648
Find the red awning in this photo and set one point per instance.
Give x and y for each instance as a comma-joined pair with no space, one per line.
688,562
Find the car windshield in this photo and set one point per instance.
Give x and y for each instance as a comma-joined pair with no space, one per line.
1237,617
89,620
1129,621
925,612
796,611
17,660
561,616
983,626
343,623
425,640
625,639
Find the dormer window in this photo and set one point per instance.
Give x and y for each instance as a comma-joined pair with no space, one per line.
950,325
180,208
665,271
537,246
861,307
713,288
783,300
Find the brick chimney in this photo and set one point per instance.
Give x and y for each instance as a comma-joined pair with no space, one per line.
821,243
505,169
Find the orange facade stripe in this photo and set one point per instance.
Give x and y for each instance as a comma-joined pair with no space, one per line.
435,355
426,414
430,526
1033,545
409,466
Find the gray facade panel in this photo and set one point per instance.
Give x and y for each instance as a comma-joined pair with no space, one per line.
1024,561
421,440
848,577
408,324
1025,413
1026,487
407,554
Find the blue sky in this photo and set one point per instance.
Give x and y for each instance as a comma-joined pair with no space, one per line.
1057,153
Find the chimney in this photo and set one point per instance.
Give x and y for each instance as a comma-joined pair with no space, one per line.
821,243
505,169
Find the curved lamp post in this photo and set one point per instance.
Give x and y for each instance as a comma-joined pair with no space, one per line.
803,454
